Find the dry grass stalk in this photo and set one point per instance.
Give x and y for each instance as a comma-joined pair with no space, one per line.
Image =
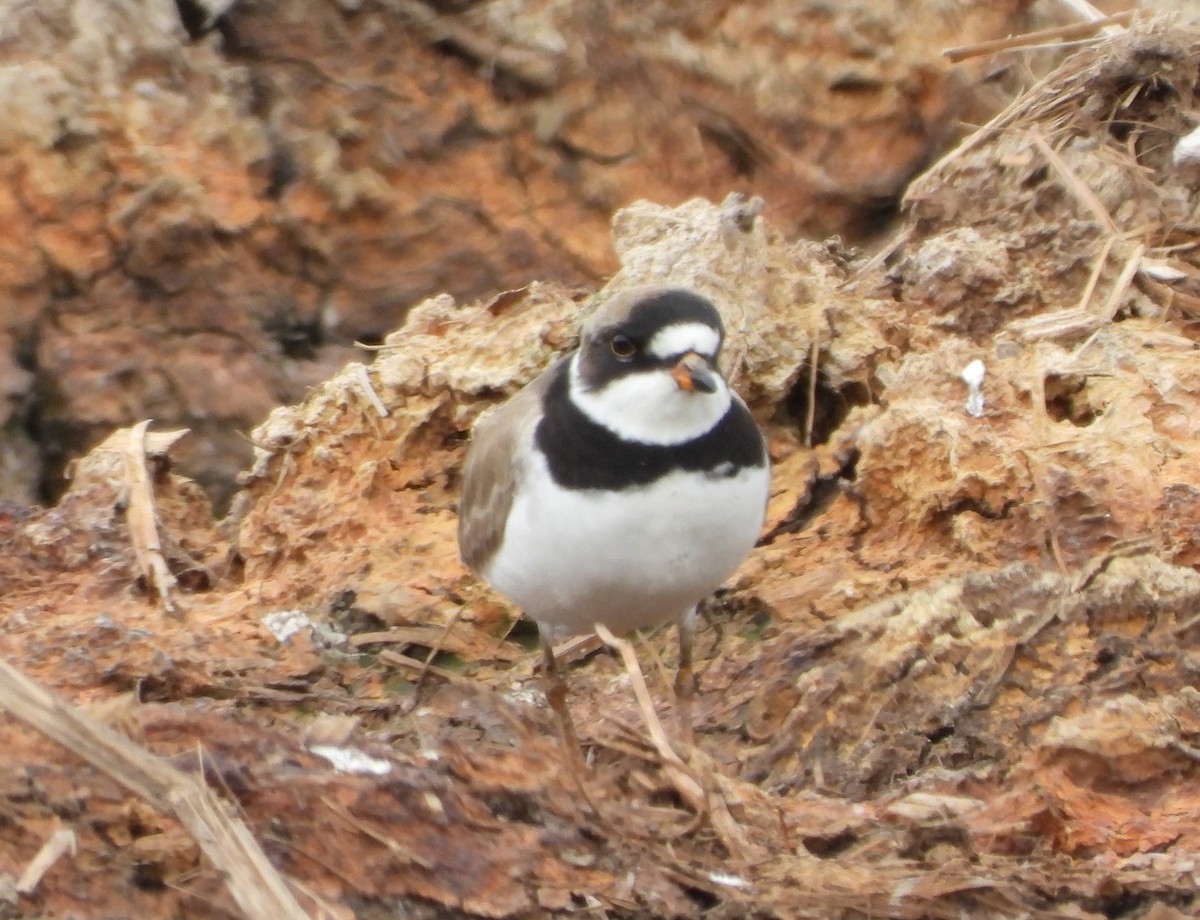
935,175
1089,289
364,383
434,651
1080,320
1075,185
1117,295
813,367
1055,99
253,882
677,771
1067,105
1060,324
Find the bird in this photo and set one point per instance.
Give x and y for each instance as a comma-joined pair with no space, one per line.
621,486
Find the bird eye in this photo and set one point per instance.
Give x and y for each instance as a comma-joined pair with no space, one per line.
622,346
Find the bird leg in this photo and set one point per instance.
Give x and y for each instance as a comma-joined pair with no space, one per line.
685,679
555,689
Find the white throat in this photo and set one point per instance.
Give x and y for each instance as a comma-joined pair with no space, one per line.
649,407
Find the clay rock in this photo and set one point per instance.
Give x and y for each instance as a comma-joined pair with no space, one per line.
776,296
1052,266
996,669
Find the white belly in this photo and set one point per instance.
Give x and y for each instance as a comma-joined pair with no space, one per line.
572,558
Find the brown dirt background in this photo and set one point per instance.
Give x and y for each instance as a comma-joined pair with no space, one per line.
956,677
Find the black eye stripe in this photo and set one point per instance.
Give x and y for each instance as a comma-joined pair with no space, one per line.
603,354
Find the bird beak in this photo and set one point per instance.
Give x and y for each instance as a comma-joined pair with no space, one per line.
693,373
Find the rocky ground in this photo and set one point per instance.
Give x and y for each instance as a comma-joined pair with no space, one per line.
202,221
955,679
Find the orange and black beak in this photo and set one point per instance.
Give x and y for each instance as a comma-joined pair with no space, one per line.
694,373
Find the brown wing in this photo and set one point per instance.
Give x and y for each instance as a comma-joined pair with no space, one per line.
493,470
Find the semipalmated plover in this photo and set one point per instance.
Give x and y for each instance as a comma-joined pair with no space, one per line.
623,485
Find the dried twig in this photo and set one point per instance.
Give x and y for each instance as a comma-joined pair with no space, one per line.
434,651
255,885
408,663
1039,39
142,520
576,649
61,841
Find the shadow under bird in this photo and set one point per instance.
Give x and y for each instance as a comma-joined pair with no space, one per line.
622,486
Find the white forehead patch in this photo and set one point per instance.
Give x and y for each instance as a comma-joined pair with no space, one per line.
680,338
